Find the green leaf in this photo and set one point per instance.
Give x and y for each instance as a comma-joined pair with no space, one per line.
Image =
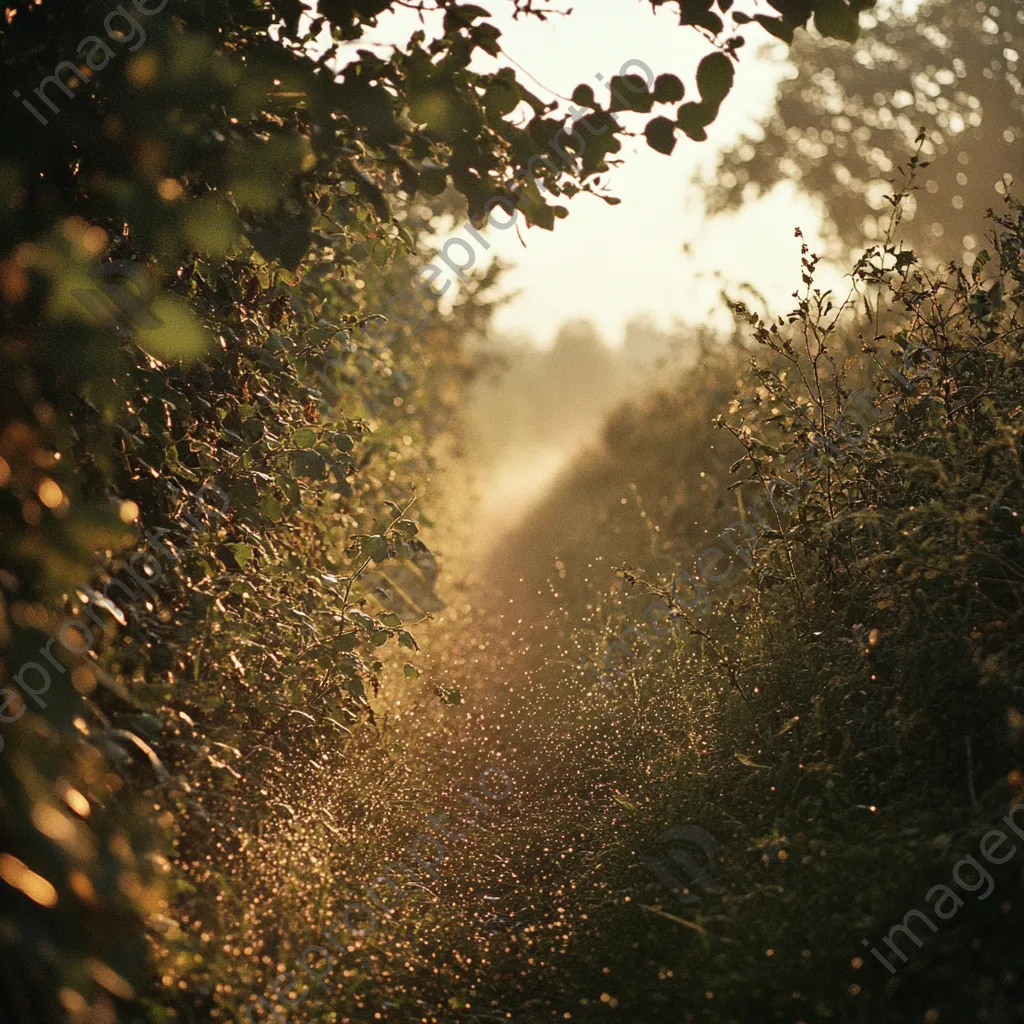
243,554
743,759
405,639
540,214
380,253
347,641
789,725
179,337
620,799
271,508
362,620
411,671
210,225
289,488
501,97
375,546
406,528
284,239
433,179
661,135
304,437
309,465
391,619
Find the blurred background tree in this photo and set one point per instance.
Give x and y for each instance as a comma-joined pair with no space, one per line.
526,398
841,127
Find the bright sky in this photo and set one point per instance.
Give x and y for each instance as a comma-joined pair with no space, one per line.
610,263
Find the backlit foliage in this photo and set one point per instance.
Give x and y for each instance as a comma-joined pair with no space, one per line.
265,174
840,126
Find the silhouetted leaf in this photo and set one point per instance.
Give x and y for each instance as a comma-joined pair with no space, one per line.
715,75
661,134
835,18
668,89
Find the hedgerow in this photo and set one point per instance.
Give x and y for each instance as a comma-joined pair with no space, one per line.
845,719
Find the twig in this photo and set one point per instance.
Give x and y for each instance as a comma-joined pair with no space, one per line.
970,776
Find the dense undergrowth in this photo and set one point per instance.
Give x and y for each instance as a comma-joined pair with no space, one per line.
844,720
